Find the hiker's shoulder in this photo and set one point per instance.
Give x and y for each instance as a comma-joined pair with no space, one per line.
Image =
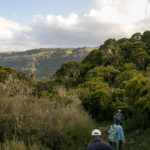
107,145
115,125
119,127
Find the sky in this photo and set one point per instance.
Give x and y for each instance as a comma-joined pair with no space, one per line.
29,24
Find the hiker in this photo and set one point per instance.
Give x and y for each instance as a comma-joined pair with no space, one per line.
114,116
97,143
113,136
116,141
119,116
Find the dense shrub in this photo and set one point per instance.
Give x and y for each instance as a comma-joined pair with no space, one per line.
52,124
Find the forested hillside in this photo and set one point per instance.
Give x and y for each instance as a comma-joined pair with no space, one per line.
59,112
117,75
42,62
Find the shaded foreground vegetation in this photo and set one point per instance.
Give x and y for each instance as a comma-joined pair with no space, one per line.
60,112
41,121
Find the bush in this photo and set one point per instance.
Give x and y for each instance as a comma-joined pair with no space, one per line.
55,125
3,75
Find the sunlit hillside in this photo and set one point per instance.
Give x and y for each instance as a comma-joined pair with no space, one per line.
42,62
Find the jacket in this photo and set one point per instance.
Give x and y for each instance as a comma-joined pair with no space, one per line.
99,145
120,132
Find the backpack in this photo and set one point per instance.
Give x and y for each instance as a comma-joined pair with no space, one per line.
119,116
113,134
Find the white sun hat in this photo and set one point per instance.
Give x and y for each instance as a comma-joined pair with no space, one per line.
96,132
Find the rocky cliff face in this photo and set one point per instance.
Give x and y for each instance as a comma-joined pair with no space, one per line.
42,62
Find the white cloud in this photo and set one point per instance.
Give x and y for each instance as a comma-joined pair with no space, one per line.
104,19
6,29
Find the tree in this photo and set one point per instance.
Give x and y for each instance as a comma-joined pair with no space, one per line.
107,74
137,53
109,48
134,87
146,39
138,98
136,37
96,99
68,73
120,81
92,60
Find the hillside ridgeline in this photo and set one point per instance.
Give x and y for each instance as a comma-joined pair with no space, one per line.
42,62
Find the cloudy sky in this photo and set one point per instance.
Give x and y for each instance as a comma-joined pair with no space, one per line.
28,24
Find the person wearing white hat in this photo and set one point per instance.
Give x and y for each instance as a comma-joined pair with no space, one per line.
97,143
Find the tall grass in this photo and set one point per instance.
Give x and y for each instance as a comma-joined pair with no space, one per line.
15,144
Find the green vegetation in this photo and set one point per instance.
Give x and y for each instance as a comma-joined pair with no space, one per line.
51,123
59,112
115,76
53,119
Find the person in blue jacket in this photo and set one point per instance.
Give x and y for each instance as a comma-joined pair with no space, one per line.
120,134
97,143
114,116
